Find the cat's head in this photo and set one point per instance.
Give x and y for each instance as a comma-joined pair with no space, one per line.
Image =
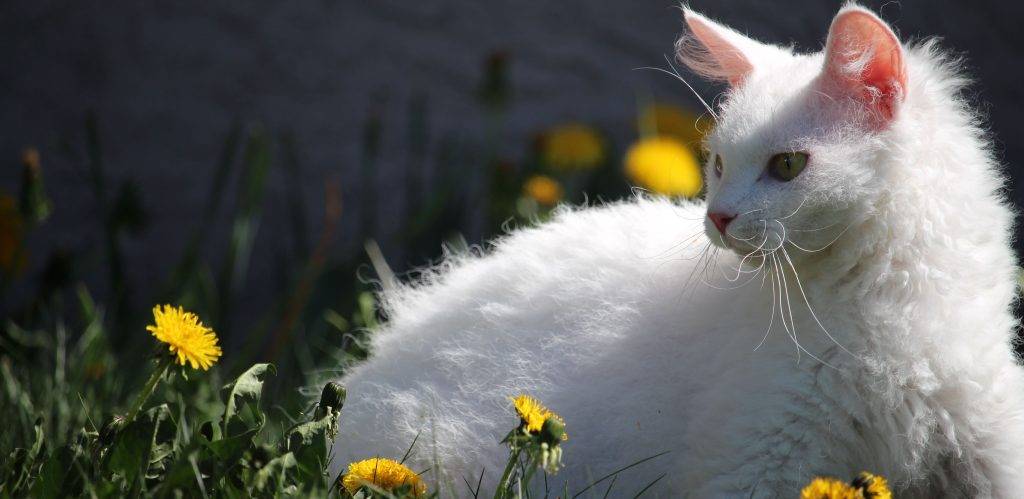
798,138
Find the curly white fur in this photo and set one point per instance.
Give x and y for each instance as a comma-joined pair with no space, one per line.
645,338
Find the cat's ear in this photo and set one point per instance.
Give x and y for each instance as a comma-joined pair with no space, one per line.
715,51
864,59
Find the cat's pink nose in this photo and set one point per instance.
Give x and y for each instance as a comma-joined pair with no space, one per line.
721,220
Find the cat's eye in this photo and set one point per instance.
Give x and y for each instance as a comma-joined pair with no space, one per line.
718,166
785,166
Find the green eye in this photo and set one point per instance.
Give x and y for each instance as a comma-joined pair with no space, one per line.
785,166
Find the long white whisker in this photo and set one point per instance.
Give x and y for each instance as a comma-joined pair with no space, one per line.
789,305
695,94
739,268
808,302
823,248
833,224
771,318
797,208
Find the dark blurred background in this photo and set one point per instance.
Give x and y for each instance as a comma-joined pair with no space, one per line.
270,140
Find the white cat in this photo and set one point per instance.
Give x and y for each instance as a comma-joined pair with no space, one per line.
841,303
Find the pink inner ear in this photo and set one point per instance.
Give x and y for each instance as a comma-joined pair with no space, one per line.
720,60
864,56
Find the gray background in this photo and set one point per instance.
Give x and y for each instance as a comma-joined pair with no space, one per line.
167,80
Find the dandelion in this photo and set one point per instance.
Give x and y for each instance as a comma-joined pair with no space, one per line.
865,486
35,207
573,146
543,189
186,337
532,413
539,434
828,488
381,473
872,486
675,122
188,340
665,166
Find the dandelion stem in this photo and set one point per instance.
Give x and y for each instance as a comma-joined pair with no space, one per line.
161,368
503,484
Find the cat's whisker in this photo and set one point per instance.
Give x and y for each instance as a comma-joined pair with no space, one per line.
771,318
807,302
700,259
754,272
801,205
739,268
833,224
793,325
675,74
792,322
695,94
686,240
823,248
763,230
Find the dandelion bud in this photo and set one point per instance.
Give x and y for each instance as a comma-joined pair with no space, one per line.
333,396
553,431
34,205
111,429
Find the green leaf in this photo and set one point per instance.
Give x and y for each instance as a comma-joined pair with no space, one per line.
58,477
273,476
311,444
229,450
131,452
242,412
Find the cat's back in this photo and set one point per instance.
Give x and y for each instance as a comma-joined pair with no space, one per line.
562,311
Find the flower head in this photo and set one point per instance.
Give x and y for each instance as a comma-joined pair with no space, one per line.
533,414
828,488
543,189
381,473
573,146
865,486
665,166
872,486
185,336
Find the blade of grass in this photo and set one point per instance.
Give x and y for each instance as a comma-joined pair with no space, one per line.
610,485
645,489
409,450
245,223
620,470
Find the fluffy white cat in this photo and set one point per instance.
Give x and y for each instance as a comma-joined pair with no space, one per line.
841,302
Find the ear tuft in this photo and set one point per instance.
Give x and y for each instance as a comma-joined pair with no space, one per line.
713,51
864,58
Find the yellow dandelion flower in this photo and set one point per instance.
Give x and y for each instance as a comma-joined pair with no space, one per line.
828,488
676,122
872,486
382,473
543,189
865,486
534,414
665,166
185,336
573,146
